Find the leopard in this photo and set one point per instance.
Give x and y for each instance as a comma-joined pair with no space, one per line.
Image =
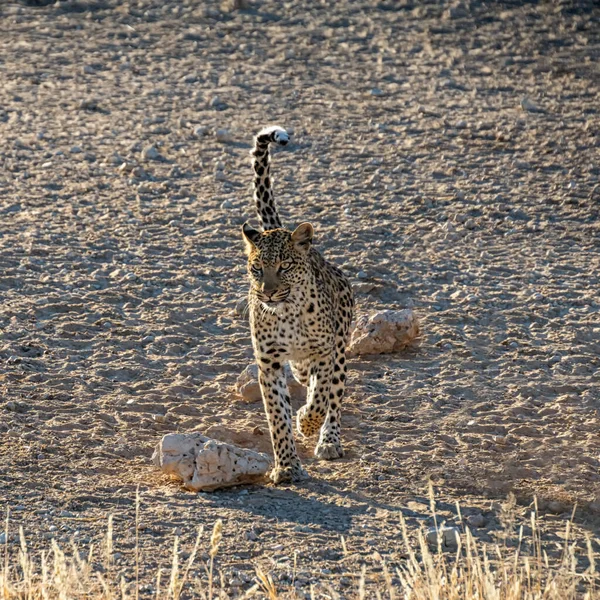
300,309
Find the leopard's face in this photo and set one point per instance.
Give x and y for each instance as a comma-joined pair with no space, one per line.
278,266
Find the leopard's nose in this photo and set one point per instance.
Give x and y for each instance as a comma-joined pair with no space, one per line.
268,290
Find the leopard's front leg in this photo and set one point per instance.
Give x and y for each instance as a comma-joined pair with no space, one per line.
278,408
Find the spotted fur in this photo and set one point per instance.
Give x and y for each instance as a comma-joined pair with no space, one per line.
301,308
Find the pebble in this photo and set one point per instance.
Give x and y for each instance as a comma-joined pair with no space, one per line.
150,153
201,131
3,538
226,203
528,106
554,359
362,275
449,536
476,520
217,103
220,176
75,150
223,136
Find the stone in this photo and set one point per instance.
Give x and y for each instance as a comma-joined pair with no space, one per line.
201,131
384,332
476,520
150,153
205,464
528,106
449,537
248,388
223,136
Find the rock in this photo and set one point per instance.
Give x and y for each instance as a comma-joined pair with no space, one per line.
476,520
528,106
150,153
383,332
248,388
201,131
216,103
223,136
449,537
205,464
457,12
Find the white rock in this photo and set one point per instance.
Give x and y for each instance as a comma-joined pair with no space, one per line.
223,136
248,388
448,536
383,332
528,106
150,153
201,131
205,464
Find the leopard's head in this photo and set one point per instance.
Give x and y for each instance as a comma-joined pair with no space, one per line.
277,263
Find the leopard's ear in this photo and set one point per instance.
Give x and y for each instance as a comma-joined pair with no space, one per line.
251,236
302,236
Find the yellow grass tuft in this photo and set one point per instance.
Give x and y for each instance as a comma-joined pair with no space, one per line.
471,572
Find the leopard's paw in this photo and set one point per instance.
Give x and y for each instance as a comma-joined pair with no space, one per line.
307,425
327,451
293,473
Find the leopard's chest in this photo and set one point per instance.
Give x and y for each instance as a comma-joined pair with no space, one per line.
296,335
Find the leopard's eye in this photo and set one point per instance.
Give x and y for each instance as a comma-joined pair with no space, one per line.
256,268
286,265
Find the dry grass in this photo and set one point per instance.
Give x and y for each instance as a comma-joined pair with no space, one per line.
470,572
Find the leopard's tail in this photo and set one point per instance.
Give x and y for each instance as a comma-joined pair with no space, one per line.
263,191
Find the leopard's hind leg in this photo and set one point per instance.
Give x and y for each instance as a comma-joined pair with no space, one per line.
310,417
329,445
300,371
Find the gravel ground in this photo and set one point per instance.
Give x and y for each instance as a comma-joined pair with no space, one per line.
448,157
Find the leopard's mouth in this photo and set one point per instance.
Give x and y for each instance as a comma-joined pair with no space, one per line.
279,297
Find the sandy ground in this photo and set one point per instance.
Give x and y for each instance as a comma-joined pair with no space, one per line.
448,156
